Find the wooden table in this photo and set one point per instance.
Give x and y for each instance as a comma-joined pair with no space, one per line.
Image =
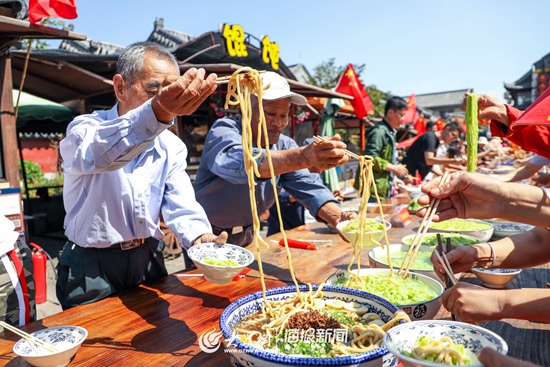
161,323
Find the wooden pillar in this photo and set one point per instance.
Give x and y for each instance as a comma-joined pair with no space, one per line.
7,122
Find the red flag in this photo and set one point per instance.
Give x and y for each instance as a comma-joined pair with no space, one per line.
420,125
40,9
412,114
440,124
350,84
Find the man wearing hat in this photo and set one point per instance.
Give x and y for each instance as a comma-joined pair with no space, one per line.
221,183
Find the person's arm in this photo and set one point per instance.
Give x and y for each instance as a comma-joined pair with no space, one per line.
523,173
472,303
320,154
431,159
472,195
97,143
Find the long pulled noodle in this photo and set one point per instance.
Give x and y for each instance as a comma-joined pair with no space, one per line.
274,316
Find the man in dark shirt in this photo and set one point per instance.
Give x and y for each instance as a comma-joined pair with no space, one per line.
421,155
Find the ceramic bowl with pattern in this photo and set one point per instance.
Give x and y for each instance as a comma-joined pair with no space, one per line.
474,338
219,273
424,310
243,354
469,227
368,241
495,278
66,339
507,229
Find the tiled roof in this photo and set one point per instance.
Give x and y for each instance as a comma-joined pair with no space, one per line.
90,46
168,38
442,99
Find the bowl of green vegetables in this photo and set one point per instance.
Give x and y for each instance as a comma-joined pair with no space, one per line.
469,227
371,234
220,263
419,296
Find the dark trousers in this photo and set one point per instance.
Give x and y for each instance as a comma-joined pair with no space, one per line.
86,275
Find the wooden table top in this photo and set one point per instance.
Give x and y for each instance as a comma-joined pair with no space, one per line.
161,323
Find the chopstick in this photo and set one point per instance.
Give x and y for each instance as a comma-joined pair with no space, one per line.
29,338
419,236
226,79
351,154
441,255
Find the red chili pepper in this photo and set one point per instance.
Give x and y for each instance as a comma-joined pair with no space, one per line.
241,274
298,244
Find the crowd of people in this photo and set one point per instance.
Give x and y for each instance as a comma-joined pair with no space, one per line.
115,237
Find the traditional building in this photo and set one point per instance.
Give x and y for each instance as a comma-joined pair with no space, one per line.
527,88
442,104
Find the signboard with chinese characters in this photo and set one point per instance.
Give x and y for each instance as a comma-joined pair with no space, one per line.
236,40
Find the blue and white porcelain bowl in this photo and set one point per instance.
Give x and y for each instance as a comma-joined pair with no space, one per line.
215,273
416,311
474,338
66,339
242,354
507,229
495,278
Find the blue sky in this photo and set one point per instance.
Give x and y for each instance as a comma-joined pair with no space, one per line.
419,46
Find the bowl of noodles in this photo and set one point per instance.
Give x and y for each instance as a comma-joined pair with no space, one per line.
220,263
324,325
440,342
373,231
419,296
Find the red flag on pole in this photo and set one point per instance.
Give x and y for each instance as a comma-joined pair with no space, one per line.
350,84
40,9
412,114
420,125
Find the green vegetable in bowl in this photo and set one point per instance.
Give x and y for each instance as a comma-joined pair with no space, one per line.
370,225
396,290
460,225
421,261
430,239
414,206
219,262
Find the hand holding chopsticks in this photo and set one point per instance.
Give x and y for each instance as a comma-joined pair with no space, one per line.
29,338
226,79
351,154
419,237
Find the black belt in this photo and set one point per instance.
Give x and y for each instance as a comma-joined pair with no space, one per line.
232,230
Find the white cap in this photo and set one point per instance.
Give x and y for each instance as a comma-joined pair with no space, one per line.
482,140
279,88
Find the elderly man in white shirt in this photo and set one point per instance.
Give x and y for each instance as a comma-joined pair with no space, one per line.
122,169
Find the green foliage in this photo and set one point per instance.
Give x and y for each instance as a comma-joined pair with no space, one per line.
36,179
33,172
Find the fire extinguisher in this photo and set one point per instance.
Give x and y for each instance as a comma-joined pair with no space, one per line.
39,258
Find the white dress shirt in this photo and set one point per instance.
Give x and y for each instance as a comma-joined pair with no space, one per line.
120,172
